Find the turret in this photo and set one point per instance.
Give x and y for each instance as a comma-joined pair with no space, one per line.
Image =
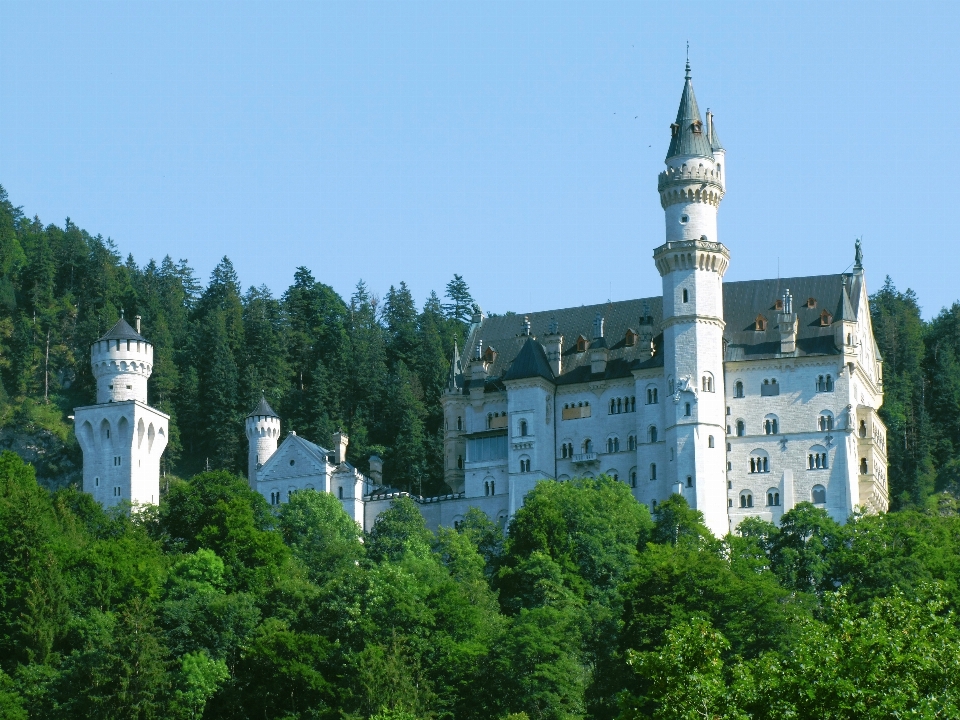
691,264
122,361
263,432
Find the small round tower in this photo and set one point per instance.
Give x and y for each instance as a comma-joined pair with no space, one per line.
122,361
263,432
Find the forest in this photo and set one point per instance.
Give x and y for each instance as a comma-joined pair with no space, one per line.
216,605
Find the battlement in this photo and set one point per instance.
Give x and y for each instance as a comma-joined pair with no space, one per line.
692,255
686,174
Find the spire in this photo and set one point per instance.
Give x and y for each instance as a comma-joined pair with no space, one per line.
844,307
688,136
714,139
263,409
453,379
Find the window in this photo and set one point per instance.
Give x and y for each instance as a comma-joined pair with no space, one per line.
524,464
863,466
746,499
652,433
811,302
707,383
631,443
671,454
633,478
759,462
581,344
825,383
770,387
825,421
710,441
741,428
773,497
819,494
653,471
689,481
686,297
96,482
729,467
459,462
459,422
686,409
486,449
817,458
771,425
523,428
588,445
563,451
738,389
633,403
486,488
729,502
340,493
825,319
760,323
652,396
630,339
863,428
729,482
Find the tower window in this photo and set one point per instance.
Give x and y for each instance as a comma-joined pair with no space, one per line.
738,389
653,471
710,441
340,493
684,219
686,297
689,481
746,500
686,409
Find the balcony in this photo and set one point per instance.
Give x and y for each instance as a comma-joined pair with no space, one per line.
586,457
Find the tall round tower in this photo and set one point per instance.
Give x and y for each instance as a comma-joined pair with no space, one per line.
691,264
263,432
122,361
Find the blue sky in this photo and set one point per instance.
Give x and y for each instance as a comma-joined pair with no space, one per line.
517,144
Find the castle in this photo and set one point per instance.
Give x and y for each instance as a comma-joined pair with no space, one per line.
746,398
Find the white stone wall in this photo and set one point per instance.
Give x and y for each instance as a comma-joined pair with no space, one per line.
263,434
122,443
121,368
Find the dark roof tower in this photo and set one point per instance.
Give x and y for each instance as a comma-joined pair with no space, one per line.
123,331
263,409
689,136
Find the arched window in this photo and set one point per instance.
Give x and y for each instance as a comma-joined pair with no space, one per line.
825,421
652,398
633,478
819,494
609,445
686,297
652,433
817,458
863,466
340,493
771,425
563,451
710,441
689,481
486,488
746,499
738,389
671,454
631,443
773,497
686,410
588,445
459,422
613,406
707,383
619,405
863,428
493,487
741,428
769,387
653,471
759,462
523,428
825,383
633,403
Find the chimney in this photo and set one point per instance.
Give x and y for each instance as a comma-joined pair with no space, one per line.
787,325
553,346
526,326
340,442
376,469
137,318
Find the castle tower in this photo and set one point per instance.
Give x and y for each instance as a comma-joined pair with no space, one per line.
263,432
122,437
691,264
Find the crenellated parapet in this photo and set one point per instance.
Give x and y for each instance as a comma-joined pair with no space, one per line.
690,184
692,255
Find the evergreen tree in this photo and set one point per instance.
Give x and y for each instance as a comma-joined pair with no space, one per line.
460,307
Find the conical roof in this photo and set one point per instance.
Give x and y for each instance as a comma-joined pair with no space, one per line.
530,362
123,331
263,409
689,133
714,138
844,307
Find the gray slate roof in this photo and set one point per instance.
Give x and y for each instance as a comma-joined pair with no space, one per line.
123,331
262,409
685,141
521,356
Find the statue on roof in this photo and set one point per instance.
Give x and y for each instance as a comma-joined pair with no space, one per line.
857,254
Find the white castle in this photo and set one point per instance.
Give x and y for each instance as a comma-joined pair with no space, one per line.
745,398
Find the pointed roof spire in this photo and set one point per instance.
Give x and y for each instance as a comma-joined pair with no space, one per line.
687,133
844,307
263,409
456,369
123,331
714,138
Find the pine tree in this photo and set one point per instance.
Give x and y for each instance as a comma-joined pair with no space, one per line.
460,307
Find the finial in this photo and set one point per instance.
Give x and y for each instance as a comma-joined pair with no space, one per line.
857,255
688,60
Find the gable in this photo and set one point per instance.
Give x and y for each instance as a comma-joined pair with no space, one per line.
294,459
